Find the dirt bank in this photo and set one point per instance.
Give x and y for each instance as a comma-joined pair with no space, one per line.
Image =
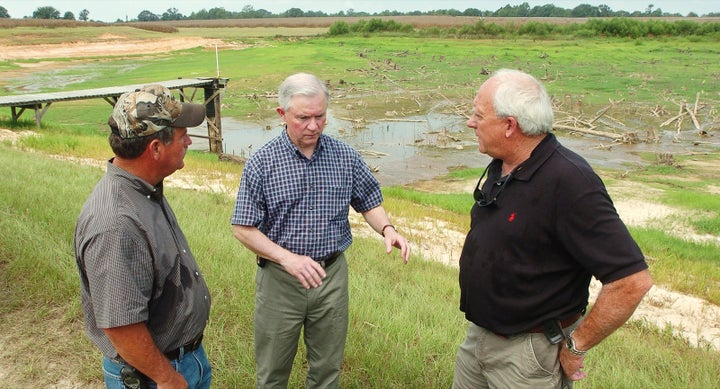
108,45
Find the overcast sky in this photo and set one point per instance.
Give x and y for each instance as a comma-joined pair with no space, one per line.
111,10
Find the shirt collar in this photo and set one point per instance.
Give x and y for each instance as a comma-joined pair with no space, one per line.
538,156
293,149
136,183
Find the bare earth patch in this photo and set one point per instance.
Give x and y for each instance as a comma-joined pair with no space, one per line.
105,47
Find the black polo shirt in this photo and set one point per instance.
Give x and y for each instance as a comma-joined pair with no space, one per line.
529,257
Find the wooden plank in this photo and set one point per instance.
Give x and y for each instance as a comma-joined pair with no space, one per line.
108,92
40,102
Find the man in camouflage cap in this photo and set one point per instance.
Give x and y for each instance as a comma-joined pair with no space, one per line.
150,110
145,301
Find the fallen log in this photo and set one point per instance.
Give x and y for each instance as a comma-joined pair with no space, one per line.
613,136
602,111
231,158
692,114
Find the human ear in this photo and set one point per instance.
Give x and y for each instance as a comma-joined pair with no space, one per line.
154,147
512,126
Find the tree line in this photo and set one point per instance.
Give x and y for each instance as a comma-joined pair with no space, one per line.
50,13
249,12
610,27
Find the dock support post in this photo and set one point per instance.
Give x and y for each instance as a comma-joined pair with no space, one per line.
213,106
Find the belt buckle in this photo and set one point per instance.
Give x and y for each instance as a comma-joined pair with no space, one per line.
329,259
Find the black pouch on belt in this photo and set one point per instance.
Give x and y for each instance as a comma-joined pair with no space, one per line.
132,378
553,331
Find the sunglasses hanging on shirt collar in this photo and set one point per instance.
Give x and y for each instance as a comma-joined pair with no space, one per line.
484,200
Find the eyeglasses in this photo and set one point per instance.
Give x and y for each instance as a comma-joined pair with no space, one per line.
480,198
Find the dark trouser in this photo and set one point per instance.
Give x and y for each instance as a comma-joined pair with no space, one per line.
283,308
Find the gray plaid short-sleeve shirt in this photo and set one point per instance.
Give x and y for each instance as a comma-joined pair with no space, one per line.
135,265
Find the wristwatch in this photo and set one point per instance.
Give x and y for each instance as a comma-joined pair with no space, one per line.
570,345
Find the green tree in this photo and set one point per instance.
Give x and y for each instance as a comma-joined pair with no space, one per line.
604,10
171,14
69,16
147,16
294,13
84,15
219,13
585,11
46,13
3,12
472,12
548,10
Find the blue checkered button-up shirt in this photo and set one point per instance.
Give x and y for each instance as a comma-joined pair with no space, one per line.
302,204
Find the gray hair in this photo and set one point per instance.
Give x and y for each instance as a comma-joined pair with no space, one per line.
301,84
523,97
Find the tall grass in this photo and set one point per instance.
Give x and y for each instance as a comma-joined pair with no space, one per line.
405,325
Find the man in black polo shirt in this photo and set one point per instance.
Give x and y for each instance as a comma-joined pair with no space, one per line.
145,300
541,227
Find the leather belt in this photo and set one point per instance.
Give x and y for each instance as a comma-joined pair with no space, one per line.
563,323
187,348
329,259
325,261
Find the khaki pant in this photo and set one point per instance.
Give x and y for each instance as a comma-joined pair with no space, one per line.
486,360
283,308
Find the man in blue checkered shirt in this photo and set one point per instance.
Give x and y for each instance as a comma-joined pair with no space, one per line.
292,212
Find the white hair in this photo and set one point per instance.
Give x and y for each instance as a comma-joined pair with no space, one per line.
523,97
304,84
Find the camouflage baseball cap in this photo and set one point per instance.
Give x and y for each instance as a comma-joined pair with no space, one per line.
152,109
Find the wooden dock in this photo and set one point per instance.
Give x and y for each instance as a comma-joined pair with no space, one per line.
40,102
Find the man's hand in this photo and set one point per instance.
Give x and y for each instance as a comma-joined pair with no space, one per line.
394,239
572,364
308,271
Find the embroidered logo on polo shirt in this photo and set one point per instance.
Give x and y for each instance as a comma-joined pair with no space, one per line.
511,217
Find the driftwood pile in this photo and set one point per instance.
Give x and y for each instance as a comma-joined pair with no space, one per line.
589,127
578,125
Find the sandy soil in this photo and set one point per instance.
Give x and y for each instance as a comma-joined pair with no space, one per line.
694,319
107,45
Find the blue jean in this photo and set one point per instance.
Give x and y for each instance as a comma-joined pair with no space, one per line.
194,366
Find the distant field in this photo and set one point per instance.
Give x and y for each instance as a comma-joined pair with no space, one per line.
416,21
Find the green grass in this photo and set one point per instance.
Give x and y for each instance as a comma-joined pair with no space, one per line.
459,203
405,323
410,70
687,267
